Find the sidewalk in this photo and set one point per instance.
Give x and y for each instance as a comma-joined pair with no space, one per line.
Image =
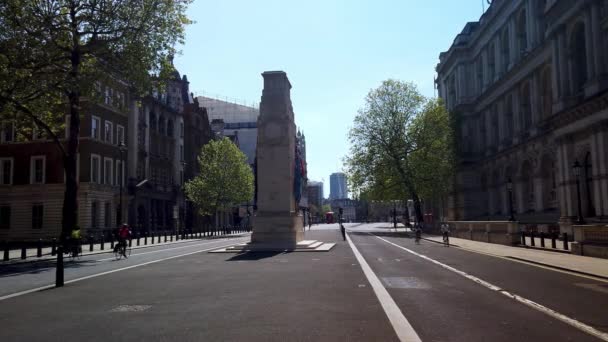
15,255
580,264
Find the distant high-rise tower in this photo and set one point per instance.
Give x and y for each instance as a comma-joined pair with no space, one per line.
337,186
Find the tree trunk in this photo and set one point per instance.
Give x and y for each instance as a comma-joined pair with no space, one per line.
406,214
70,199
417,208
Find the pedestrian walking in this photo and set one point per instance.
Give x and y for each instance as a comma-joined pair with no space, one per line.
342,229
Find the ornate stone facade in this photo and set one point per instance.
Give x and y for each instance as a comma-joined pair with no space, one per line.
527,85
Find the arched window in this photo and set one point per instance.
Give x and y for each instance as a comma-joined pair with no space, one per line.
578,57
522,33
587,185
491,62
153,126
526,107
527,182
498,192
170,128
549,183
546,93
161,125
509,117
504,41
483,209
479,76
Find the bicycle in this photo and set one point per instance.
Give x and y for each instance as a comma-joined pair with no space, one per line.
417,237
75,251
446,239
121,250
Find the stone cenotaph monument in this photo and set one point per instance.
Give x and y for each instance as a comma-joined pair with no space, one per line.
277,224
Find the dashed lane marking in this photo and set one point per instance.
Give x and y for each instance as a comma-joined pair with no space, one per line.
550,312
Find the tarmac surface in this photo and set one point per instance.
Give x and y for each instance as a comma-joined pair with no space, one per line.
181,292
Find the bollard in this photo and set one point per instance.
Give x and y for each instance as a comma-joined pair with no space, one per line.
171,237
54,247
102,243
90,243
532,238
566,241
151,238
553,237
6,251
165,236
523,238
23,252
39,249
145,238
138,235
542,239
130,242
158,238
112,241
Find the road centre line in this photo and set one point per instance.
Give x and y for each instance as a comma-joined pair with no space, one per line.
170,249
402,327
46,287
571,321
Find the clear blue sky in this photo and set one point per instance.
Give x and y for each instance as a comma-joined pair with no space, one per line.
333,51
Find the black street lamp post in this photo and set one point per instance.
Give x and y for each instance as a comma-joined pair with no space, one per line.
122,148
510,190
577,173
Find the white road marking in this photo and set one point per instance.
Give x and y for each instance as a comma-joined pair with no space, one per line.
12,295
168,249
402,326
571,321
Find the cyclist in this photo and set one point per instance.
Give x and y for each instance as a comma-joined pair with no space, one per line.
123,234
75,242
418,232
445,231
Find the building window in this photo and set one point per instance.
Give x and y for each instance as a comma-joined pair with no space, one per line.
37,169
94,214
107,171
119,173
522,34
107,212
108,132
95,126
6,171
8,132
107,97
181,152
181,129
578,57
506,57
95,165
120,135
5,217
170,128
37,133
37,216
526,108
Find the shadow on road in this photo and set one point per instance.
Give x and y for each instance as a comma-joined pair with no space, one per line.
39,267
252,256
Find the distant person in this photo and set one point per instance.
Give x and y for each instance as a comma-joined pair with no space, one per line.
309,221
123,235
342,230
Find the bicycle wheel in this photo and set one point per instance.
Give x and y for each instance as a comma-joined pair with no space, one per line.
117,253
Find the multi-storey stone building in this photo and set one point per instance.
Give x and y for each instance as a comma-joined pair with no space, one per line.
157,158
32,177
527,86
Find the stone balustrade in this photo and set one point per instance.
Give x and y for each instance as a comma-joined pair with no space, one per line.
500,232
591,240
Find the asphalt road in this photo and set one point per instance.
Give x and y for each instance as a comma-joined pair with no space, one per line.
180,292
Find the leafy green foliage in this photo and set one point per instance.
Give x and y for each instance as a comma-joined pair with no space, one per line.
225,178
400,146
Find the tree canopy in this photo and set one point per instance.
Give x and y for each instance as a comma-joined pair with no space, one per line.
401,146
55,53
225,179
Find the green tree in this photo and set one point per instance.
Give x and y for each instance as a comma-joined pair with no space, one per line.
225,179
401,146
53,52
